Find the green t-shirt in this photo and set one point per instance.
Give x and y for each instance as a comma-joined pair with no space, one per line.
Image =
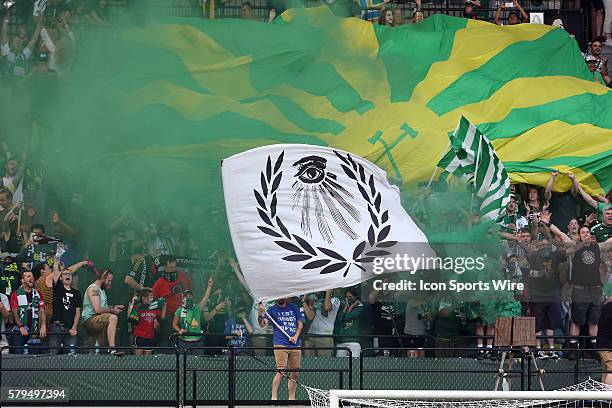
191,321
600,209
347,324
601,232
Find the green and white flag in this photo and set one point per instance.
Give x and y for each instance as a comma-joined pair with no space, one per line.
472,158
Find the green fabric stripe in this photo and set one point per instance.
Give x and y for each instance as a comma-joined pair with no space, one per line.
133,56
446,160
598,165
594,110
161,119
295,58
562,57
407,50
484,158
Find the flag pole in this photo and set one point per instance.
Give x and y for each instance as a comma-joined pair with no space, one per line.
277,325
475,173
436,166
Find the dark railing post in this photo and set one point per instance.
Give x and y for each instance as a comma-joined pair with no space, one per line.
522,370
231,381
184,378
577,356
194,386
527,357
350,373
177,361
361,368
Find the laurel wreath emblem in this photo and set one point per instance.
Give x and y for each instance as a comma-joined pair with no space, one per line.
322,258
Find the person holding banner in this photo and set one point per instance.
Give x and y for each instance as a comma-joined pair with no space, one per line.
288,323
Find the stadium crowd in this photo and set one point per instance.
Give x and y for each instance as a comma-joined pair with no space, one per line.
156,290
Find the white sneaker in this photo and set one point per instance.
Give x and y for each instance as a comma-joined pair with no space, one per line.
542,355
553,355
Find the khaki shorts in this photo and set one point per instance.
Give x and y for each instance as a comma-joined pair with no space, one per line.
287,357
98,323
606,360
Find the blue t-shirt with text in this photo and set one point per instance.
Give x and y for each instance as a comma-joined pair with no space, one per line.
232,327
286,317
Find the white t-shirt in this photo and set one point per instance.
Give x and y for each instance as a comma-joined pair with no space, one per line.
413,325
18,60
324,324
5,301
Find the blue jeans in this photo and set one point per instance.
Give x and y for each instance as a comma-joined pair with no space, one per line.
59,335
20,342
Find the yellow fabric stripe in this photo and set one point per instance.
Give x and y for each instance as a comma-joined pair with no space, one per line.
555,139
209,63
562,183
527,92
466,57
222,73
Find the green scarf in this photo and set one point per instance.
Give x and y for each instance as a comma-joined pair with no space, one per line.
190,319
157,305
24,306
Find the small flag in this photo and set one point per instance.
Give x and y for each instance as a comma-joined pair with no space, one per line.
473,159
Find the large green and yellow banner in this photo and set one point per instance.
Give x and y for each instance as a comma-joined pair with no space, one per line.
389,94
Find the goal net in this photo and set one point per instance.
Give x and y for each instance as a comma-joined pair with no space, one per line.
590,393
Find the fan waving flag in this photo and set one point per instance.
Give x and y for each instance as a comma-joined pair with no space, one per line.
308,218
472,158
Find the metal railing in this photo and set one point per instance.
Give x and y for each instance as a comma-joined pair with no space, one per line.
188,365
363,369
232,371
57,368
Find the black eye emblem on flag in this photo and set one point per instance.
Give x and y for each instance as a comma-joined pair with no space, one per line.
317,185
311,169
318,188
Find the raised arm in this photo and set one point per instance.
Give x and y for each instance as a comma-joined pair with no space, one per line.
548,190
524,15
204,299
35,35
590,200
261,310
498,14
327,304
4,35
74,268
307,308
54,277
246,322
46,38
55,218
553,228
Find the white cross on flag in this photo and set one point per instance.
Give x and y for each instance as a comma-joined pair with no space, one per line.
308,218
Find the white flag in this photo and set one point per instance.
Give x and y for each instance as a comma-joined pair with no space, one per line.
308,218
